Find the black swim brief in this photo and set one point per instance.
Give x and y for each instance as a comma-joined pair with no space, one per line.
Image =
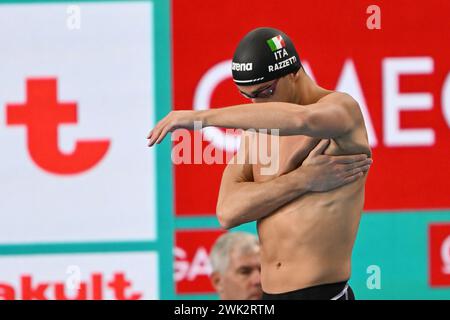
332,291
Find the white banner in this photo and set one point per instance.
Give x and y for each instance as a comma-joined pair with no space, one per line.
106,276
76,102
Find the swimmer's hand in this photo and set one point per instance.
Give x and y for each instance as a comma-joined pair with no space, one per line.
325,172
174,120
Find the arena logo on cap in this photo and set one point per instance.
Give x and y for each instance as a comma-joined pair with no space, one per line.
242,66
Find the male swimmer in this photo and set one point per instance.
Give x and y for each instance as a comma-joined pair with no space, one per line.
308,212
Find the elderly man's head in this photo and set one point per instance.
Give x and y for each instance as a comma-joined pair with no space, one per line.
236,266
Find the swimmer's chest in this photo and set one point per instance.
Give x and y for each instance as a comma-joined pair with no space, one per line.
290,152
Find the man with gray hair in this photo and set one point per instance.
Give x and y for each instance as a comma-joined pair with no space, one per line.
236,266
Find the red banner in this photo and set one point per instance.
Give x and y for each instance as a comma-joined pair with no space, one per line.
439,254
399,73
192,265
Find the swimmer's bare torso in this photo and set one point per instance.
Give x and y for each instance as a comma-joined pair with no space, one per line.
306,236
308,210
309,241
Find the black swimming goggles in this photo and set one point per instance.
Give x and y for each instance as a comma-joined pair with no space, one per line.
262,93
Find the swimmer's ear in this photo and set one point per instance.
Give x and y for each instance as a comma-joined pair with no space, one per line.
320,148
296,75
292,76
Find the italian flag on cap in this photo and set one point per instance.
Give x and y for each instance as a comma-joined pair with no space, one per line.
276,43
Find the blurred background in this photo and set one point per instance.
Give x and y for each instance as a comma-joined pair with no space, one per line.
89,212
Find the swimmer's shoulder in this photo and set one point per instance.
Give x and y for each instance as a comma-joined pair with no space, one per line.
345,100
356,141
341,99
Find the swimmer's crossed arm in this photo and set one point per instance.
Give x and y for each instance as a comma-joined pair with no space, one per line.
332,117
242,200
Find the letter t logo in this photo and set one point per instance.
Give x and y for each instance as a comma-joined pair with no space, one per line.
41,114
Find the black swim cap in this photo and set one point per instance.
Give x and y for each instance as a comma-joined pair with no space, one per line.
264,54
